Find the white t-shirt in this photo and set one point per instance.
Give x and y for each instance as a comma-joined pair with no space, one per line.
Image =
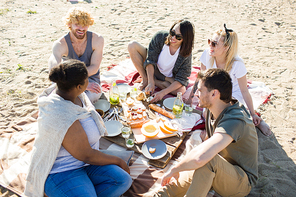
237,71
166,61
65,161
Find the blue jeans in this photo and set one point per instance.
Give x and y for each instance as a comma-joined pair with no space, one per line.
92,180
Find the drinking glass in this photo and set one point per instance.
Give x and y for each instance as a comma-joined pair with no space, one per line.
188,109
129,142
114,99
122,96
133,92
125,132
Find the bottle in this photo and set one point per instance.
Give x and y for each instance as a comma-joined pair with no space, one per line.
114,94
178,106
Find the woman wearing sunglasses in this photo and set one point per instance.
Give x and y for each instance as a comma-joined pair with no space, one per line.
222,53
167,62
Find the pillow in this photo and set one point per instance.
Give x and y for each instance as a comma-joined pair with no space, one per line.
124,155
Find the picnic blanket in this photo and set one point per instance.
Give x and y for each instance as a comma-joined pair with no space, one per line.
16,145
125,72
16,153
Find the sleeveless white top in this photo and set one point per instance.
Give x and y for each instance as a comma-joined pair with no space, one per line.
65,161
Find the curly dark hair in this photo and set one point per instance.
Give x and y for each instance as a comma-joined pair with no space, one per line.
68,74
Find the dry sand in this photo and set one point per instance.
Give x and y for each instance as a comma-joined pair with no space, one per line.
267,43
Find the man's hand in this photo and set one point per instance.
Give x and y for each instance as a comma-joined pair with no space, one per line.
94,87
157,96
168,176
256,119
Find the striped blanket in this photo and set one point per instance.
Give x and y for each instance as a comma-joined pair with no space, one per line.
16,152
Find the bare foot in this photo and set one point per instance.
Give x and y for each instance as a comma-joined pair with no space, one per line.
264,128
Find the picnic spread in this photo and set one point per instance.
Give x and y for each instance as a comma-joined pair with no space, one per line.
148,122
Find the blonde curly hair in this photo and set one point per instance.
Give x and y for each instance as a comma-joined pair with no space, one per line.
78,15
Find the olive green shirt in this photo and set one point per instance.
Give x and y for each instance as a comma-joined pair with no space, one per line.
236,121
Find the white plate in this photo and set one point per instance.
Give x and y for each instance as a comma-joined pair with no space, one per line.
113,128
169,103
123,87
102,104
160,151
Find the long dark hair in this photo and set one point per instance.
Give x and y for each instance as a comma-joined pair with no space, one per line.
187,31
68,74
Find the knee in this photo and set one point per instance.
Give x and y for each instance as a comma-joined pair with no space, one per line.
126,181
131,47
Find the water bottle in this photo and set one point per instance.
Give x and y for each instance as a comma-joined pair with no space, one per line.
114,94
178,106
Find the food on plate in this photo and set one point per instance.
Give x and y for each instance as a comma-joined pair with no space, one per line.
169,126
139,111
134,108
141,96
137,124
150,130
163,119
152,150
134,117
129,109
144,115
164,130
129,101
161,111
140,116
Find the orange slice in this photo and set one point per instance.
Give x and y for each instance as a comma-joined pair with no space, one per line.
163,129
169,126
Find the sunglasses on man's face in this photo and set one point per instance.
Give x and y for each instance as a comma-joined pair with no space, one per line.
212,43
178,36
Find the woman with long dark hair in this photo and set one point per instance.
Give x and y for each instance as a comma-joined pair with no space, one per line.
167,61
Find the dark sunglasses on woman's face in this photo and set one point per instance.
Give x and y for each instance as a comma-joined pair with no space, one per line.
212,43
178,36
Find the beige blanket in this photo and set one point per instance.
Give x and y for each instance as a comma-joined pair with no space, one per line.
276,169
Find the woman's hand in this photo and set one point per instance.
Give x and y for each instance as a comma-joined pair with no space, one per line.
256,119
149,90
124,166
157,96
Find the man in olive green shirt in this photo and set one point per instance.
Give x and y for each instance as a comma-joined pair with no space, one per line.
227,159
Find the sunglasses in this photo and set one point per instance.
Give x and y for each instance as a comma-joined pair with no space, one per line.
212,43
178,36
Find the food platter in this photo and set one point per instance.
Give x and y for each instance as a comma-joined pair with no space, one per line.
113,128
158,145
169,103
102,104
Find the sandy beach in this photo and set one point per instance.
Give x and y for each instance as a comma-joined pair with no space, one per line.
267,44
